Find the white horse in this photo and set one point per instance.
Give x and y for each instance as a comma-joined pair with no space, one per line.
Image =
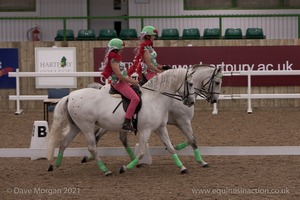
207,84
86,108
207,81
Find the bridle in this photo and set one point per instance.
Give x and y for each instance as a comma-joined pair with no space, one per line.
206,94
186,92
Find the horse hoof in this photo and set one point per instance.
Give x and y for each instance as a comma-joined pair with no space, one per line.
204,164
123,169
108,173
140,165
50,168
85,159
184,171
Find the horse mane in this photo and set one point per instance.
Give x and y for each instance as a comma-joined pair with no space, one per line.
164,80
201,65
95,85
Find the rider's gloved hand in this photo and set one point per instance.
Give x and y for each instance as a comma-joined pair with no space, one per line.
166,67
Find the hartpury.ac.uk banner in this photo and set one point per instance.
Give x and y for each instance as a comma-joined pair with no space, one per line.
237,58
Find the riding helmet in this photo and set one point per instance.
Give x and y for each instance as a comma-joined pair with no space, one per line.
149,30
116,43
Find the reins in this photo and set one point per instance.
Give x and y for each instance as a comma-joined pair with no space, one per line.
173,96
176,96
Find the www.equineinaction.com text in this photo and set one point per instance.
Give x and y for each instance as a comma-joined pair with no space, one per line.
227,190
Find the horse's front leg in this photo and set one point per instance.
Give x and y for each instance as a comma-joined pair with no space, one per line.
186,128
164,136
124,140
144,137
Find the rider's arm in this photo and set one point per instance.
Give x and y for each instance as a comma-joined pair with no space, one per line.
115,67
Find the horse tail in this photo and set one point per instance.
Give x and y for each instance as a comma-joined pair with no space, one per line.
55,135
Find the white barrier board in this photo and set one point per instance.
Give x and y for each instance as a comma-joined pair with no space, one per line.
120,151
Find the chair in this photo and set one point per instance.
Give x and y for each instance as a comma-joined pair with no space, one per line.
211,33
233,33
86,34
254,33
54,95
60,35
170,34
128,34
191,33
107,34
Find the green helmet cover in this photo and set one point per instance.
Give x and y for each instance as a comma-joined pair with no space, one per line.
116,43
149,30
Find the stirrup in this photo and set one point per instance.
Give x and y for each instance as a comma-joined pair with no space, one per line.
128,127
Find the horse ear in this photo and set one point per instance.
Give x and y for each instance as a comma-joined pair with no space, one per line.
219,70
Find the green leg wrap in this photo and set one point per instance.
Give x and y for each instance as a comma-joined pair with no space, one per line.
133,163
176,160
198,155
182,145
59,158
130,153
102,166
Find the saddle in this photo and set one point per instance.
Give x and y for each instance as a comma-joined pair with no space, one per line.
143,79
115,93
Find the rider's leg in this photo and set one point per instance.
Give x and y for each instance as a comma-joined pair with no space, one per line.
128,92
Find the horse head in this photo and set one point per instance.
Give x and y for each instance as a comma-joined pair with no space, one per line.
207,83
187,89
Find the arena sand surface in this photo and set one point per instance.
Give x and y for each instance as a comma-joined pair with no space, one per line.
227,177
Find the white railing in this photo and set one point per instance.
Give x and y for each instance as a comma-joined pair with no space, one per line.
249,96
18,75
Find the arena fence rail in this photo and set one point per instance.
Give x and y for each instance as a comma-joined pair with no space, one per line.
249,96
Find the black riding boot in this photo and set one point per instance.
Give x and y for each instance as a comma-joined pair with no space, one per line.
127,125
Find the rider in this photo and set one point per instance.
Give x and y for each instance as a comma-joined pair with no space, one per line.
115,69
144,62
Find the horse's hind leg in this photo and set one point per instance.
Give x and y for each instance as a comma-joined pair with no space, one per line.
99,132
73,130
186,128
90,137
164,136
144,137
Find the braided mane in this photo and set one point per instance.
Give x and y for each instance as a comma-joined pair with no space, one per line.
167,79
